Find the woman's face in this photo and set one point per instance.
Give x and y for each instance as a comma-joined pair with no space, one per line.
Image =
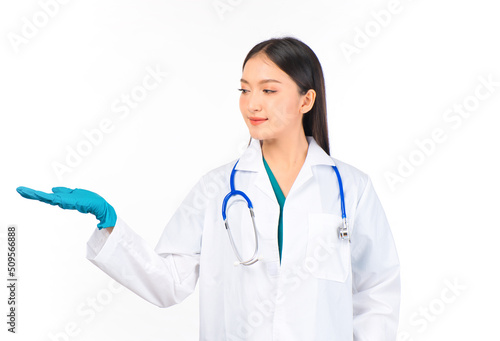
270,101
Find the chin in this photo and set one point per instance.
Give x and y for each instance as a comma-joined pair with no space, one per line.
258,135
261,133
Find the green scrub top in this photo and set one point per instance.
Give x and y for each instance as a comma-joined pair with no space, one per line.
281,201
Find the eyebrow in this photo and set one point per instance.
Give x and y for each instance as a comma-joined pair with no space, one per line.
262,81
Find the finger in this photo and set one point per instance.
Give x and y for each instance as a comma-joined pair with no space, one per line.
26,192
29,193
62,190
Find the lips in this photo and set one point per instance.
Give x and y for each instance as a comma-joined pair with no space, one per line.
257,120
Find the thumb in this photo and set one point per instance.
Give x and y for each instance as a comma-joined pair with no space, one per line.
61,190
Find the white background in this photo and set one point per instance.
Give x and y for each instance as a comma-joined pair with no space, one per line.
65,75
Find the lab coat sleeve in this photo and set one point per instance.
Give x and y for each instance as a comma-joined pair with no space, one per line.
375,272
161,276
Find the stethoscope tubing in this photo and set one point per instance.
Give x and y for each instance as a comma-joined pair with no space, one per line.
343,230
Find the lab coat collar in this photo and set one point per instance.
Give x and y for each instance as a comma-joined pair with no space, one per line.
251,160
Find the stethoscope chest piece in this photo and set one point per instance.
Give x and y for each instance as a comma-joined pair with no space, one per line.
344,231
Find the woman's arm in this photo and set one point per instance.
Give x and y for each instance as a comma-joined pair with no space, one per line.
162,280
165,275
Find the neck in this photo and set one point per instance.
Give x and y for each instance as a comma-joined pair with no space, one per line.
285,152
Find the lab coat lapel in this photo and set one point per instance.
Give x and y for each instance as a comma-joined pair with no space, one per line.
315,156
251,161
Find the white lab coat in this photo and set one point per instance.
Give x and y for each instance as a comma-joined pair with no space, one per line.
324,288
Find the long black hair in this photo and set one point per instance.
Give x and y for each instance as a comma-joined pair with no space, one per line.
299,62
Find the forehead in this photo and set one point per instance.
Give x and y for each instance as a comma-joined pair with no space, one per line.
260,69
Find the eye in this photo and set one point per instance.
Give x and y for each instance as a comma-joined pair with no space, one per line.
243,91
268,91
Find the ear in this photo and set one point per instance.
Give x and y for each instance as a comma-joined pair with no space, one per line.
307,101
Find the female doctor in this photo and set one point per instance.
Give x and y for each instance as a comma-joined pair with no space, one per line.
266,235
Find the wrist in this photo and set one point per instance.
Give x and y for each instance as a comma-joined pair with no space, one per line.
108,219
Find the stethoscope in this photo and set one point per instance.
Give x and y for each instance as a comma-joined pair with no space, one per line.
343,231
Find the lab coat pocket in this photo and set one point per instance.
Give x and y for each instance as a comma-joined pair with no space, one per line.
327,256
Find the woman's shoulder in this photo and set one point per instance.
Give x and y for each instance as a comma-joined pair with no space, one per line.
350,169
352,177
222,169
218,176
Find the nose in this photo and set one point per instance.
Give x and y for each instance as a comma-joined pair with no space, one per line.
254,103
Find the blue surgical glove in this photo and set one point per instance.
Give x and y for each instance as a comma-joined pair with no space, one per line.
75,199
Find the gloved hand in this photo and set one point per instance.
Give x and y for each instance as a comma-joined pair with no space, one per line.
75,199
